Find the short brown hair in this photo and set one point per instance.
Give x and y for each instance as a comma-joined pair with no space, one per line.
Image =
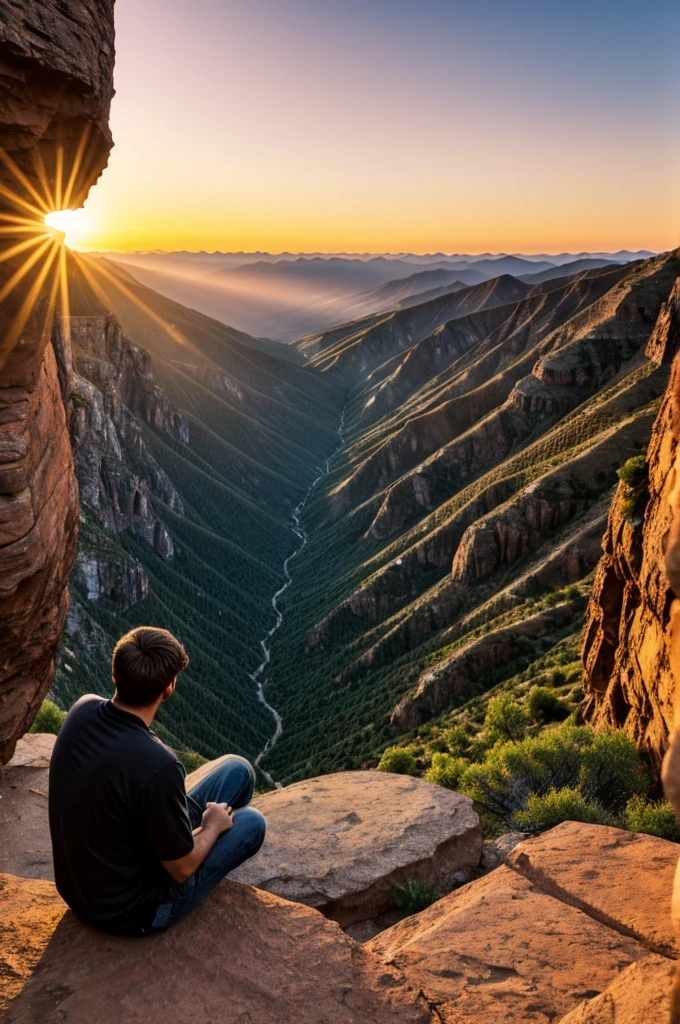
145,662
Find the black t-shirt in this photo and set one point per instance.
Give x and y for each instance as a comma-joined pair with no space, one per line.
117,809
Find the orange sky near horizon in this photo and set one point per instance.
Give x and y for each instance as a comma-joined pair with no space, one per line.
283,125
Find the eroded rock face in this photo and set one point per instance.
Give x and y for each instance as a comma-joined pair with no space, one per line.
626,650
56,64
455,678
341,842
241,955
109,389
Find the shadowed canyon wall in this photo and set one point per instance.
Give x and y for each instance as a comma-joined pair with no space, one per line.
56,83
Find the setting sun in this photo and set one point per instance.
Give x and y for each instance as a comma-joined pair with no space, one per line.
75,225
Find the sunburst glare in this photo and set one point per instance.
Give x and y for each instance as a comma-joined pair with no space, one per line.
73,225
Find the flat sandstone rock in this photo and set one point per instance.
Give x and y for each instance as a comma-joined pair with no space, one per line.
639,995
501,951
340,842
241,957
623,879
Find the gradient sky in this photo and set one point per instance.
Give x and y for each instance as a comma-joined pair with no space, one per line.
392,125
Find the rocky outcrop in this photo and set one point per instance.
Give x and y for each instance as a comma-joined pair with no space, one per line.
494,951
341,843
626,649
458,677
56,64
241,955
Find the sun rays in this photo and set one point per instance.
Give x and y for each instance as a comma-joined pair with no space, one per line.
34,260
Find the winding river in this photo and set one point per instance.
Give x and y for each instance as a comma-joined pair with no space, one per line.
299,531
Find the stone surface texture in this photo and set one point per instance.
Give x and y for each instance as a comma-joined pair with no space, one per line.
598,869
341,842
639,995
628,681
56,83
548,933
501,949
241,956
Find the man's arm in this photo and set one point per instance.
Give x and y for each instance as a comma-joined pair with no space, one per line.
216,820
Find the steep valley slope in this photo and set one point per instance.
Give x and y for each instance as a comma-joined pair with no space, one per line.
192,446
484,432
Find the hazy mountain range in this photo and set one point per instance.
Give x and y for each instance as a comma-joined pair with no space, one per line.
288,295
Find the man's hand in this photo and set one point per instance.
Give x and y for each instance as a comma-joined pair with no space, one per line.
217,818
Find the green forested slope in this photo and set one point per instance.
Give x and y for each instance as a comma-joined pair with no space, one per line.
260,426
477,475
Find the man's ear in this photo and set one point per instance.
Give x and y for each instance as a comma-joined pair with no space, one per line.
168,691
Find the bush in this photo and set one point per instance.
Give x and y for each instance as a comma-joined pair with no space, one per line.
633,473
50,718
653,818
558,805
191,760
557,677
446,770
545,706
505,719
399,760
611,771
457,740
511,772
414,895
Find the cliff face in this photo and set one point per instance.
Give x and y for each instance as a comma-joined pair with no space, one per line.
110,391
626,650
56,64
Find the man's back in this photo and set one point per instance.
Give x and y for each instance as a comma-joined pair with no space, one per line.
117,809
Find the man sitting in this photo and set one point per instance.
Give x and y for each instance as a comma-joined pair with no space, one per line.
132,852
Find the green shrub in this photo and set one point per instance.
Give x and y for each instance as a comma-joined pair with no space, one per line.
446,770
511,772
558,805
414,895
545,706
505,719
557,677
653,818
457,740
633,473
611,771
399,760
191,760
50,718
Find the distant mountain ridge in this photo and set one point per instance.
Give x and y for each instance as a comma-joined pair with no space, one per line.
289,295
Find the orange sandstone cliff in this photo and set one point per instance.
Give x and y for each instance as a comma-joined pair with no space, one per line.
56,75
626,649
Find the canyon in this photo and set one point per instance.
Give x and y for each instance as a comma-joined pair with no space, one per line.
157,465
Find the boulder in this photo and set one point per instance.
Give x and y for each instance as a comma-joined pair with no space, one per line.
241,956
341,842
622,879
639,995
502,950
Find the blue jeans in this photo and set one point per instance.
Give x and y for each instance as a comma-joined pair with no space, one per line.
230,782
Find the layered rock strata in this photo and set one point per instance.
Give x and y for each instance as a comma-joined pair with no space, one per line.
628,681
